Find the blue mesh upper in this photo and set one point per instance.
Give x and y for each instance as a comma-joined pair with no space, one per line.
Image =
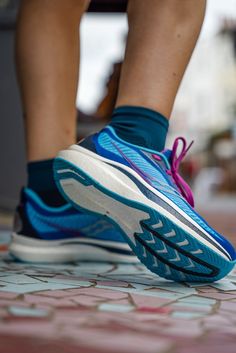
54,223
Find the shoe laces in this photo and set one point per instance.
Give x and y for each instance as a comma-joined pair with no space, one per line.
176,160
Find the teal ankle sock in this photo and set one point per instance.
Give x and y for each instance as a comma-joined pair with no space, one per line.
140,126
41,181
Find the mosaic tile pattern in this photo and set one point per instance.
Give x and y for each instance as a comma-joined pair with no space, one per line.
94,308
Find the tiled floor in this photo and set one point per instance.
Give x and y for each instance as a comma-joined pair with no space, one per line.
93,308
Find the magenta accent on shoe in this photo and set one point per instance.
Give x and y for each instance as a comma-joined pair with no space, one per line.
155,156
183,187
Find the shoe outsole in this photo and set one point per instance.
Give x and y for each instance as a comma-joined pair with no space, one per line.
162,246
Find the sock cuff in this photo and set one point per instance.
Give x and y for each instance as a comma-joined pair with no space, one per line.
141,126
141,112
44,164
41,181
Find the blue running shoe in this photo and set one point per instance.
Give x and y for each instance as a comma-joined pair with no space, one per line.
62,234
142,193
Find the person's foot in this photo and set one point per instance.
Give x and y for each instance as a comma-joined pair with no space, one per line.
141,192
62,234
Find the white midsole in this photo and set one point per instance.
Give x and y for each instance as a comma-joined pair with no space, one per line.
114,180
24,240
32,250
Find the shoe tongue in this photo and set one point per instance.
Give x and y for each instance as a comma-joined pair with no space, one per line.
168,154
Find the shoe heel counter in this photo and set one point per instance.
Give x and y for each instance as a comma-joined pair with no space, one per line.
17,222
21,221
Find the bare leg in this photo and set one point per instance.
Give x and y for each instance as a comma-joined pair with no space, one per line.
162,36
47,52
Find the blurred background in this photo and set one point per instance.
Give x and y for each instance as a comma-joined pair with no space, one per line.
205,108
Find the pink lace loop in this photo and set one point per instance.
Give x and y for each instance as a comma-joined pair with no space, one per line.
183,187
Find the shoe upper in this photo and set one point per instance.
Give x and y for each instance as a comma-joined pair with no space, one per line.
160,172
35,219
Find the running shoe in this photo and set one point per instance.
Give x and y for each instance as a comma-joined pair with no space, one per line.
142,193
62,234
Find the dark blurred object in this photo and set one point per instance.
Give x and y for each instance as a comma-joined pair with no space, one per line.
88,124
107,6
107,104
8,12
12,156
189,169
229,29
222,153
